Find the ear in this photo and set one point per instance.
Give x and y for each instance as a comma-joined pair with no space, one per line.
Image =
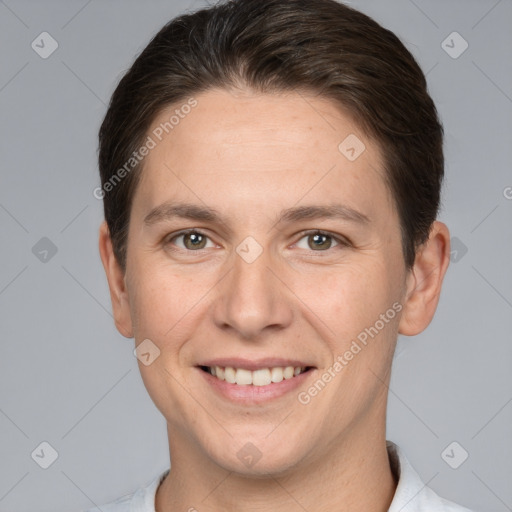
424,281
116,283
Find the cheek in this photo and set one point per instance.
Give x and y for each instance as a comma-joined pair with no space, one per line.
362,307
351,297
162,311
158,299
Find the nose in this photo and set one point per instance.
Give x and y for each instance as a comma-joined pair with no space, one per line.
253,298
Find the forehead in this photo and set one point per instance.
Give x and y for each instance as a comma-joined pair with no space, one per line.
262,149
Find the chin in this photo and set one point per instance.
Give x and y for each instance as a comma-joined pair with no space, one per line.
258,457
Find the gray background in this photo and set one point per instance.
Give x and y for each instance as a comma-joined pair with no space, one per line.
69,378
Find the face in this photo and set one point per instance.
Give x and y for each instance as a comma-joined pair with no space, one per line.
291,257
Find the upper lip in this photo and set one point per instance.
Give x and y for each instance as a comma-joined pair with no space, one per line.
254,364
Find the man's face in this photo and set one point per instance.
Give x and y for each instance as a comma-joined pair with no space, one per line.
252,291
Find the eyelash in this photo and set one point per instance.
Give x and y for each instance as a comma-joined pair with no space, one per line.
342,242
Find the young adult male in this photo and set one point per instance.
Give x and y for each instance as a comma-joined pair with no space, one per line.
271,173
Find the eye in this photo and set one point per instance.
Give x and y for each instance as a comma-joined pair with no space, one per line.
317,240
193,240
321,241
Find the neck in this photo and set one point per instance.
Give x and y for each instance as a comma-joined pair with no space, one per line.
350,474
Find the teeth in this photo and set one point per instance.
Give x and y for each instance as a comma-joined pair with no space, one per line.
277,374
261,377
229,374
243,377
288,372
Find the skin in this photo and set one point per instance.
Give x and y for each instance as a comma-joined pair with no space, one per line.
250,156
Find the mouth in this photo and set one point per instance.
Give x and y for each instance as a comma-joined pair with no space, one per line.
260,377
247,382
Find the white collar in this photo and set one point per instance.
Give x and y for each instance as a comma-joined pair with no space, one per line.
411,494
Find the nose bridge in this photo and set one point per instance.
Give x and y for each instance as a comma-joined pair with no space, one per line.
251,298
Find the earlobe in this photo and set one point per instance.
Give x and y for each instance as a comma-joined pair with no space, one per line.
116,283
425,280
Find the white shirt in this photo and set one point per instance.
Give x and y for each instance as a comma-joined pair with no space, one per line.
411,494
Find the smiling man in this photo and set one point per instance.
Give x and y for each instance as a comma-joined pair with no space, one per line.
271,175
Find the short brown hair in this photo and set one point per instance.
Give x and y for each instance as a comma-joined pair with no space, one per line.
321,46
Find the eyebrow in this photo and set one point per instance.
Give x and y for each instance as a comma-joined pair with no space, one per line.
169,210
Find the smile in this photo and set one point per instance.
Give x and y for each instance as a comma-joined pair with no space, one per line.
259,377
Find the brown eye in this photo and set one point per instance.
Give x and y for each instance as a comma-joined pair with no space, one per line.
192,240
321,242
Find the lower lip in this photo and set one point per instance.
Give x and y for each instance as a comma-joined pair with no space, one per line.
250,394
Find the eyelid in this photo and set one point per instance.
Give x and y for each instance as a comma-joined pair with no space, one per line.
342,241
168,238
